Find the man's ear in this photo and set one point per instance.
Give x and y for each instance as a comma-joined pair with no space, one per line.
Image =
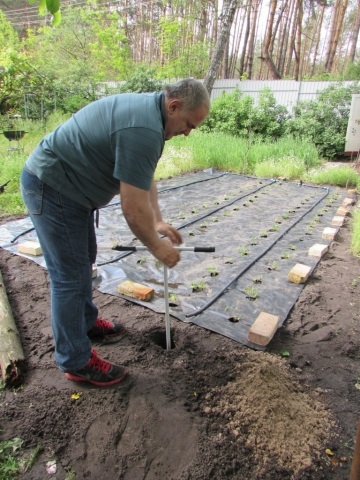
174,105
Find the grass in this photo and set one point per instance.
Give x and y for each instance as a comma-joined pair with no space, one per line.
288,157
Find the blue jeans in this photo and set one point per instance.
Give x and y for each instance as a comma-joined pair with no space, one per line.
66,233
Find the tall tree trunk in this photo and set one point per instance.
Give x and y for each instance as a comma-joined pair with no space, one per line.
298,40
254,11
265,54
226,18
246,38
318,38
336,27
354,35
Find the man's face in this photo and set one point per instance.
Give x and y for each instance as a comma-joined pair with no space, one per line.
180,121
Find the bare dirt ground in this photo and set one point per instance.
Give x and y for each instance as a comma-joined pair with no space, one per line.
209,408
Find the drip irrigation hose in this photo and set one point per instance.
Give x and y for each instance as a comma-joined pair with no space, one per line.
233,280
167,189
197,219
22,233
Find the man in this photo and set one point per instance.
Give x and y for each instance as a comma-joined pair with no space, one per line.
110,146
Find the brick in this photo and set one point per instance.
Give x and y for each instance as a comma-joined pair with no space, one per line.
329,233
136,290
337,221
30,248
263,329
347,202
318,250
342,211
299,274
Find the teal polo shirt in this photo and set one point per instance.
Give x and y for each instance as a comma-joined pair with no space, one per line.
117,138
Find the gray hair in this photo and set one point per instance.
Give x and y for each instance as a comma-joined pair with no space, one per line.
190,92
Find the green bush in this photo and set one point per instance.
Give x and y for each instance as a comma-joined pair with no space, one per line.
267,118
324,121
142,80
230,114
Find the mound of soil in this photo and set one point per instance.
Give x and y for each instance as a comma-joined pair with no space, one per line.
210,407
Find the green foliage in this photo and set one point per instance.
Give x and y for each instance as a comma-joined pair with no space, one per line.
355,238
324,121
230,114
267,118
344,176
235,114
142,80
9,463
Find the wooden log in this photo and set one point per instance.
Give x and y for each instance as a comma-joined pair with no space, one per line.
12,359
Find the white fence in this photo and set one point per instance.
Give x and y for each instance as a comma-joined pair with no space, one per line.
286,92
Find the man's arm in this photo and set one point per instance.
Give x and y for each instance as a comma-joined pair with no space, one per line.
160,226
142,218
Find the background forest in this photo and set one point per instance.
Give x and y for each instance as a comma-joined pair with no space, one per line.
99,41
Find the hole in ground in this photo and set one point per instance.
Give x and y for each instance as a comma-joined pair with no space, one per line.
159,338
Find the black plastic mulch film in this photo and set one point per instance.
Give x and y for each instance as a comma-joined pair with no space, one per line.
260,228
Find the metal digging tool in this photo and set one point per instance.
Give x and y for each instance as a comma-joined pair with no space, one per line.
166,288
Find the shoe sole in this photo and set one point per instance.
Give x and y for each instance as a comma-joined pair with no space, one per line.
75,378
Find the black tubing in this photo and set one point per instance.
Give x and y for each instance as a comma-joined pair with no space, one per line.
233,280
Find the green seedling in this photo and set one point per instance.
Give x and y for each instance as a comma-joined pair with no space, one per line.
203,225
251,292
355,281
257,279
227,213
263,234
205,205
309,230
274,228
277,220
236,209
226,197
243,251
217,202
292,247
182,215
215,219
198,285
245,204
70,474
285,216
213,270
285,255
142,261
194,210
173,299
191,233
272,265
254,241
229,261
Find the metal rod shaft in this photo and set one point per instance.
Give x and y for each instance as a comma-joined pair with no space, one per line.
167,315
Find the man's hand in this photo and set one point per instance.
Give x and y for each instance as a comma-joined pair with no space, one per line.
169,231
166,253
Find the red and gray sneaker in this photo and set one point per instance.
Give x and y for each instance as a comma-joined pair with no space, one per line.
103,329
98,372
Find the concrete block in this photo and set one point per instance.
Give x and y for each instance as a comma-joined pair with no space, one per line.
136,290
348,201
30,248
263,329
299,274
329,233
318,250
337,221
342,211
